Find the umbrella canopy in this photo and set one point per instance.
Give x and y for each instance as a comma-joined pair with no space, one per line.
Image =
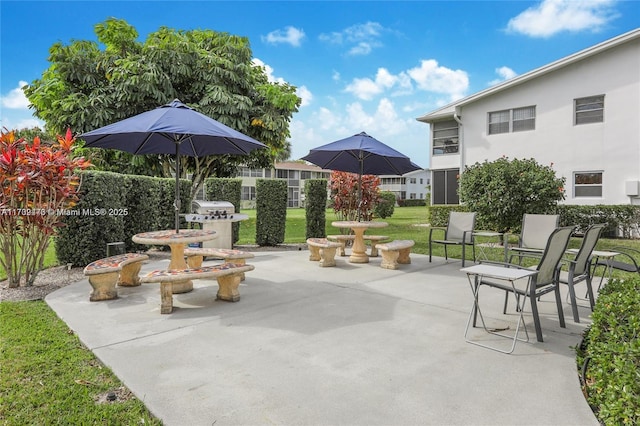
173,128
361,154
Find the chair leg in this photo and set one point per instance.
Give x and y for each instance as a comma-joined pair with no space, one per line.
429,250
506,301
536,318
446,257
559,305
463,244
572,297
590,293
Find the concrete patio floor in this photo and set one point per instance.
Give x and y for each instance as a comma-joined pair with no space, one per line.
349,345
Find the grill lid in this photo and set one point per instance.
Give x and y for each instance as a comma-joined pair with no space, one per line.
212,207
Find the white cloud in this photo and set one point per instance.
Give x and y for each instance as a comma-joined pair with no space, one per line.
550,17
366,88
268,70
504,73
289,35
16,98
362,38
431,77
304,94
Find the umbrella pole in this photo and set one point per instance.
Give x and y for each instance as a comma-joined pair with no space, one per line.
176,203
360,187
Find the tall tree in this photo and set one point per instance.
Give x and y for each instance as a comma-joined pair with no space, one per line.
87,87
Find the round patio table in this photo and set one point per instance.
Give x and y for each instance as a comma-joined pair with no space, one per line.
177,242
358,252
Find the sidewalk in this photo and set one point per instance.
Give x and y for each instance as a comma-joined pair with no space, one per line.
350,345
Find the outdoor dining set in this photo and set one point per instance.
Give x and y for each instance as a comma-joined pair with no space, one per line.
545,244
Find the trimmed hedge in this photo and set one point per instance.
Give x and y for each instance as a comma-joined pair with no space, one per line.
609,357
315,207
271,211
622,220
112,208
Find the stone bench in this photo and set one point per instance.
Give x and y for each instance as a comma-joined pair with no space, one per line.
323,250
228,276
195,256
395,252
105,274
342,239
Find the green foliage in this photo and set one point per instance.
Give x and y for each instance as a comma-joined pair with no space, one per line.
351,202
623,219
89,87
502,191
411,203
612,347
386,205
49,377
142,199
226,189
439,215
114,207
271,211
36,182
315,206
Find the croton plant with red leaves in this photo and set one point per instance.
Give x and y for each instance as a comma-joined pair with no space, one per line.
344,195
38,185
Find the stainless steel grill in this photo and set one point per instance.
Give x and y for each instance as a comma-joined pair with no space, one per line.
217,216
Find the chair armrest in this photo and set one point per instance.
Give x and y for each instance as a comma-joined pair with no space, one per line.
464,236
436,228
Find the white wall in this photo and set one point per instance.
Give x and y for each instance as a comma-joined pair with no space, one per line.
612,146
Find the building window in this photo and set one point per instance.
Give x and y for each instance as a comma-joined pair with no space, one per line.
412,196
412,180
498,122
248,193
524,119
589,110
587,184
305,175
445,137
512,120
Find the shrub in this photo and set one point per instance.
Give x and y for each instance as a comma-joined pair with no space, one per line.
38,183
271,211
386,204
345,195
502,191
611,348
315,191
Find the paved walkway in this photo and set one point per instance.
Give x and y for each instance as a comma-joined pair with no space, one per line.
350,345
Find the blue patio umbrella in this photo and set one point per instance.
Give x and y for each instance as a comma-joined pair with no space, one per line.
361,154
173,128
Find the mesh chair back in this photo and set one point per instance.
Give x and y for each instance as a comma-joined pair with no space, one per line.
555,248
536,229
459,222
589,242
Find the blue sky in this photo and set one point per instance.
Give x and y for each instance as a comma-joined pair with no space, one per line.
358,66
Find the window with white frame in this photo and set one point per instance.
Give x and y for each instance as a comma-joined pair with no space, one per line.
412,180
512,120
589,110
445,137
587,184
